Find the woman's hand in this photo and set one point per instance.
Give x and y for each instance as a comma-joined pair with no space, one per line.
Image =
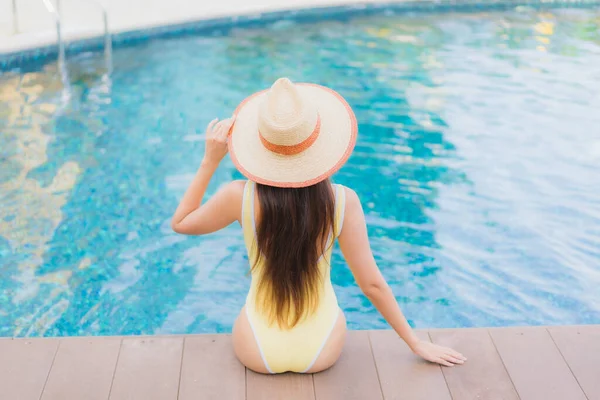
438,354
216,140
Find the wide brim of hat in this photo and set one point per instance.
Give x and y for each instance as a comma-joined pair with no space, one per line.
323,158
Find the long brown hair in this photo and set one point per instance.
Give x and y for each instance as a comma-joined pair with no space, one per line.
291,236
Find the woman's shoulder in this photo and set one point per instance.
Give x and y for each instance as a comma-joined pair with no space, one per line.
238,184
348,192
234,189
351,199
352,208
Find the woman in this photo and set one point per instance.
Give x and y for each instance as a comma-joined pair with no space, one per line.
288,141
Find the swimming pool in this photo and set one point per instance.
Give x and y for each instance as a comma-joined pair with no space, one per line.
476,163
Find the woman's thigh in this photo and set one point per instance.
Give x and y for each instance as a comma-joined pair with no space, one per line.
245,346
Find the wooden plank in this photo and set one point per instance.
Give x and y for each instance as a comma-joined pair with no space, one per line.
148,369
83,369
402,374
535,365
483,375
279,387
580,346
24,367
354,376
210,369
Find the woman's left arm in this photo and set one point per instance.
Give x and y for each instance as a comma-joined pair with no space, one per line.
192,218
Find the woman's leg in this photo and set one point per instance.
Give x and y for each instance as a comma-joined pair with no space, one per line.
333,347
245,346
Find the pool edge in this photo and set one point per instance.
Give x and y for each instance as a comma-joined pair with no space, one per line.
216,25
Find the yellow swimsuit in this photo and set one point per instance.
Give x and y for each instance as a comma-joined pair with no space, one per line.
295,349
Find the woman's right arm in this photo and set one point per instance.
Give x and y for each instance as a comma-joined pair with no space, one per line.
355,246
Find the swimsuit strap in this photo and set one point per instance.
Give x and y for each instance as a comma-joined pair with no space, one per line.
340,208
248,225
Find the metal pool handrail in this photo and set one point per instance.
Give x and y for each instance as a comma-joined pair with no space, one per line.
14,15
61,46
107,35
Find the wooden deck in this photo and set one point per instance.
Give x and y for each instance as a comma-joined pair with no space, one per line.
555,363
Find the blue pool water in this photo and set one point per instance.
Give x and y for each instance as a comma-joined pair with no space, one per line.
476,163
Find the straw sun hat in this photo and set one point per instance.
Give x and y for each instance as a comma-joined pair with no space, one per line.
292,135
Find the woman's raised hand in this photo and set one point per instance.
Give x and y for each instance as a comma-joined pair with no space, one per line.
216,140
